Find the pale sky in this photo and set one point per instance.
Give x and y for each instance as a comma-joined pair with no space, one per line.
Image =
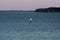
27,4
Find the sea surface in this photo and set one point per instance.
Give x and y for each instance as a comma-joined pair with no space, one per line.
16,26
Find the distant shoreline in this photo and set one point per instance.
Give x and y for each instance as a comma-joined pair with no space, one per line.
49,9
16,11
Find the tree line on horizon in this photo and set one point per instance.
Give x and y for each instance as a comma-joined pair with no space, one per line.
50,9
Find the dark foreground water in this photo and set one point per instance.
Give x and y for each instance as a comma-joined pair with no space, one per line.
16,26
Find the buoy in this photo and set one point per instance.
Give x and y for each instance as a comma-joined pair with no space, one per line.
30,19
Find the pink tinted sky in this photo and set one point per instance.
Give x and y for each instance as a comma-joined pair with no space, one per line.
27,4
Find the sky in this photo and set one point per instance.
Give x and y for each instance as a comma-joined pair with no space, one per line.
27,4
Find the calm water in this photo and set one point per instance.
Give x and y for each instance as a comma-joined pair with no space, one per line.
16,26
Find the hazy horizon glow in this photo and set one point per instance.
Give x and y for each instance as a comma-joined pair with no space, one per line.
27,4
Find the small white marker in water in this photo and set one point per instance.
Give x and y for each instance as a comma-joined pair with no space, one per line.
30,19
